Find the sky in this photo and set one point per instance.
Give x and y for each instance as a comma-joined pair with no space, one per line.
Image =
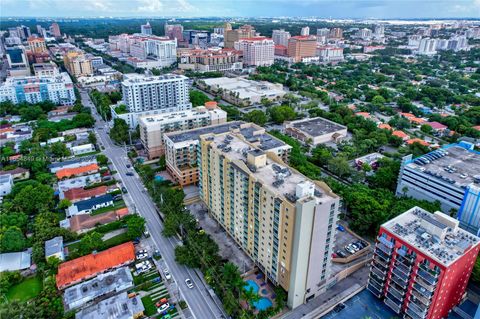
380,9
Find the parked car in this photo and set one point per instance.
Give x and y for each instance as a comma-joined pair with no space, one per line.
350,249
339,308
128,165
189,283
162,302
146,233
164,307
130,174
124,190
340,254
167,274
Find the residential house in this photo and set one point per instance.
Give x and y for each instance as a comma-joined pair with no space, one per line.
77,171
54,248
89,205
18,173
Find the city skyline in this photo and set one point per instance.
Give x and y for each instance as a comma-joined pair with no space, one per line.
389,9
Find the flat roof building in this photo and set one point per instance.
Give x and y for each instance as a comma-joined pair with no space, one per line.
106,284
316,131
284,221
242,91
422,263
181,148
153,127
54,248
118,307
450,175
15,261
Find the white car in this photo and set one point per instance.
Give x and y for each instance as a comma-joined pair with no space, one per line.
142,256
163,307
167,274
189,283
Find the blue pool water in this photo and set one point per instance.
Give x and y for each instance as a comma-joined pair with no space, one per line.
263,304
251,285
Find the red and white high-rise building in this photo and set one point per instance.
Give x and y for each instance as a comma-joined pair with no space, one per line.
257,51
422,263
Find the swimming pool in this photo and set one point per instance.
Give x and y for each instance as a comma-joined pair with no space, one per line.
262,304
251,285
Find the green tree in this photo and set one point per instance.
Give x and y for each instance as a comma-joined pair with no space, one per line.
340,167
92,138
119,131
426,129
135,226
91,241
321,155
34,199
64,204
198,98
59,150
256,116
102,159
12,239
281,113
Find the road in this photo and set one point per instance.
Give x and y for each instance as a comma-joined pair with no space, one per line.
200,303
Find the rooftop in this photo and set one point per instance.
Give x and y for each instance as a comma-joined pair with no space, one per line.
316,126
83,222
53,246
130,79
80,193
67,172
118,307
88,266
15,261
89,203
455,164
73,161
276,176
437,235
110,282
194,134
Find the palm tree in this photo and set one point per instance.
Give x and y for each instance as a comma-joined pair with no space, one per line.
250,296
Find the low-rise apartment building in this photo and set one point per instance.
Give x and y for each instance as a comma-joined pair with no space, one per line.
182,148
153,127
316,131
241,91
285,222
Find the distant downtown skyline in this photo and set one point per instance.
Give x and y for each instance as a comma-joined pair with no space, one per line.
379,9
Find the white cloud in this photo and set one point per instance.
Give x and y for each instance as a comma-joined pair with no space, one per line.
151,6
185,6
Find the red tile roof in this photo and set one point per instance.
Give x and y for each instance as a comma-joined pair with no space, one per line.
77,270
400,134
384,126
407,115
436,125
80,193
67,172
417,140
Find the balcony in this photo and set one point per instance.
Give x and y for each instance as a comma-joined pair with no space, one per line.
379,279
404,269
379,266
380,261
387,250
374,291
425,284
396,294
375,284
418,306
401,275
430,271
420,298
424,292
412,314
395,306
394,287
420,311
382,255
399,281
427,276
380,274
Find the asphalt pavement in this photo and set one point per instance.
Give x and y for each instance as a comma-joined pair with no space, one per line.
199,301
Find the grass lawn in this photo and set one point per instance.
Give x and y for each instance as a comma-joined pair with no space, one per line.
117,240
150,308
25,290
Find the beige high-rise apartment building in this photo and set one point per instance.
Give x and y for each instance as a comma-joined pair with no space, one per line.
37,45
77,64
233,35
301,46
281,219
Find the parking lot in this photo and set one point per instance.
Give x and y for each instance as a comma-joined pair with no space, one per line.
228,247
363,305
342,239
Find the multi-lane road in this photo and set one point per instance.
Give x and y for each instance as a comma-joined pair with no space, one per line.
200,302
